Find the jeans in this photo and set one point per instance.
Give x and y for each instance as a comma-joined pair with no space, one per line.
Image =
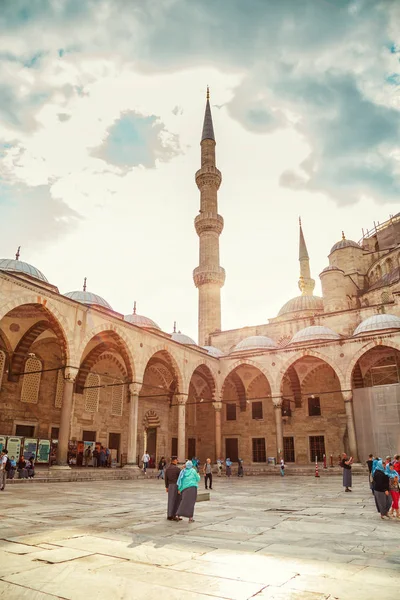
208,478
160,474
145,465
3,476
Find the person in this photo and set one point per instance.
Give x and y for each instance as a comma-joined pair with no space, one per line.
383,499
172,473
102,457
13,466
394,490
88,456
161,465
108,458
22,470
195,463
95,456
145,461
31,472
369,463
282,467
346,463
207,470
220,464
240,468
396,463
228,464
3,471
188,481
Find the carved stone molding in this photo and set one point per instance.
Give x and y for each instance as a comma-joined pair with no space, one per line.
208,176
134,388
202,275
209,222
71,373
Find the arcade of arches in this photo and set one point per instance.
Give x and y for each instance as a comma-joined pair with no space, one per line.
193,412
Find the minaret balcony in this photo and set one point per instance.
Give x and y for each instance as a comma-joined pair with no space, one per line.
208,222
208,176
202,275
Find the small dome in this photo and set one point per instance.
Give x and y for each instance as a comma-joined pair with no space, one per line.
345,244
88,298
331,268
183,339
141,321
314,332
18,266
213,351
302,303
254,342
378,323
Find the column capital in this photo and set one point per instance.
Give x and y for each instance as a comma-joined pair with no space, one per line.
277,402
71,373
348,396
134,388
217,406
181,399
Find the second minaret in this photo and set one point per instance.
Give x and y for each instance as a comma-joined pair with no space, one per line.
209,276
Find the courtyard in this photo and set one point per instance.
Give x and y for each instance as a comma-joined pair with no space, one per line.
258,537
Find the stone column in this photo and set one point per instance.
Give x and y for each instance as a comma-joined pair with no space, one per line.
351,430
70,375
134,390
218,437
279,426
181,401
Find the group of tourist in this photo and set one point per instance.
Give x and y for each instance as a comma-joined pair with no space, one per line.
9,466
384,482
181,487
99,457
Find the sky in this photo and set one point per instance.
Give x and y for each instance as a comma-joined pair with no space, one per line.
101,111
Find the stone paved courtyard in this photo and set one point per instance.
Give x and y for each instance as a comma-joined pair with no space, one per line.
297,538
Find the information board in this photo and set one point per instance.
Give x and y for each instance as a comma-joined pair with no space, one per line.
30,447
14,447
43,454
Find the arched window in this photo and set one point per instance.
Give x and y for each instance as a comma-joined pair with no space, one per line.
92,393
117,399
2,365
59,390
31,381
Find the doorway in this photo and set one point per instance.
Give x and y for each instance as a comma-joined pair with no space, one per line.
114,443
231,449
191,448
152,444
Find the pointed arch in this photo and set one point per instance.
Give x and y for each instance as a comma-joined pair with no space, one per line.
388,343
202,369
302,354
164,353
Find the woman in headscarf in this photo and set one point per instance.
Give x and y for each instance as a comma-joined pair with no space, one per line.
187,486
228,464
382,495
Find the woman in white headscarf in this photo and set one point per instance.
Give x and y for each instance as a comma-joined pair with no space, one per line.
187,487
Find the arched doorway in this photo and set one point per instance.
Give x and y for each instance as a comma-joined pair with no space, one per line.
376,401
200,415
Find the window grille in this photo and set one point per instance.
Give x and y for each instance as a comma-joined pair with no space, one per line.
2,365
257,410
231,412
317,447
31,381
259,452
117,399
59,390
314,407
288,450
92,393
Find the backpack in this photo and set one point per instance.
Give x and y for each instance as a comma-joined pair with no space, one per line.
8,465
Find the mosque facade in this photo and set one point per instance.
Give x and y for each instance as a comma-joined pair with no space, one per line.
321,377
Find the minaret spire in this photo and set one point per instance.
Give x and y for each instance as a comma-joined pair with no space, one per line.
306,283
209,276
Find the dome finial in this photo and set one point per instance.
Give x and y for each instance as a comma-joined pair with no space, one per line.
84,284
343,236
174,326
208,93
18,253
134,307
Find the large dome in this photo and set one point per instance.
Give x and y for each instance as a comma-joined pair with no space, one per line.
213,351
343,243
378,323
183,339
140,320
88,298
260,342
302,303
314,332
18,266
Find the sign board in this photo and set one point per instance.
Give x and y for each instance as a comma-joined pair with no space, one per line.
30,447
2,442
88,462
14,447
43,454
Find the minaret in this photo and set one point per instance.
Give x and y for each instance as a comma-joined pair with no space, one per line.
306,284
208,277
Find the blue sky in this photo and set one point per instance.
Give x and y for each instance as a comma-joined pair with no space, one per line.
101,107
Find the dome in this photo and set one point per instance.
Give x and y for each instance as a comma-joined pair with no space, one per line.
345,244
213,351
331,268
140,320
378,323
314,332
254,342
183,339
302,303
18,266
88,298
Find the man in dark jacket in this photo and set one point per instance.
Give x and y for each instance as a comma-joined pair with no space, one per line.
171,478
382,495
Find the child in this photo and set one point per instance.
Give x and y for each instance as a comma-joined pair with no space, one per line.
219,465
395,493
